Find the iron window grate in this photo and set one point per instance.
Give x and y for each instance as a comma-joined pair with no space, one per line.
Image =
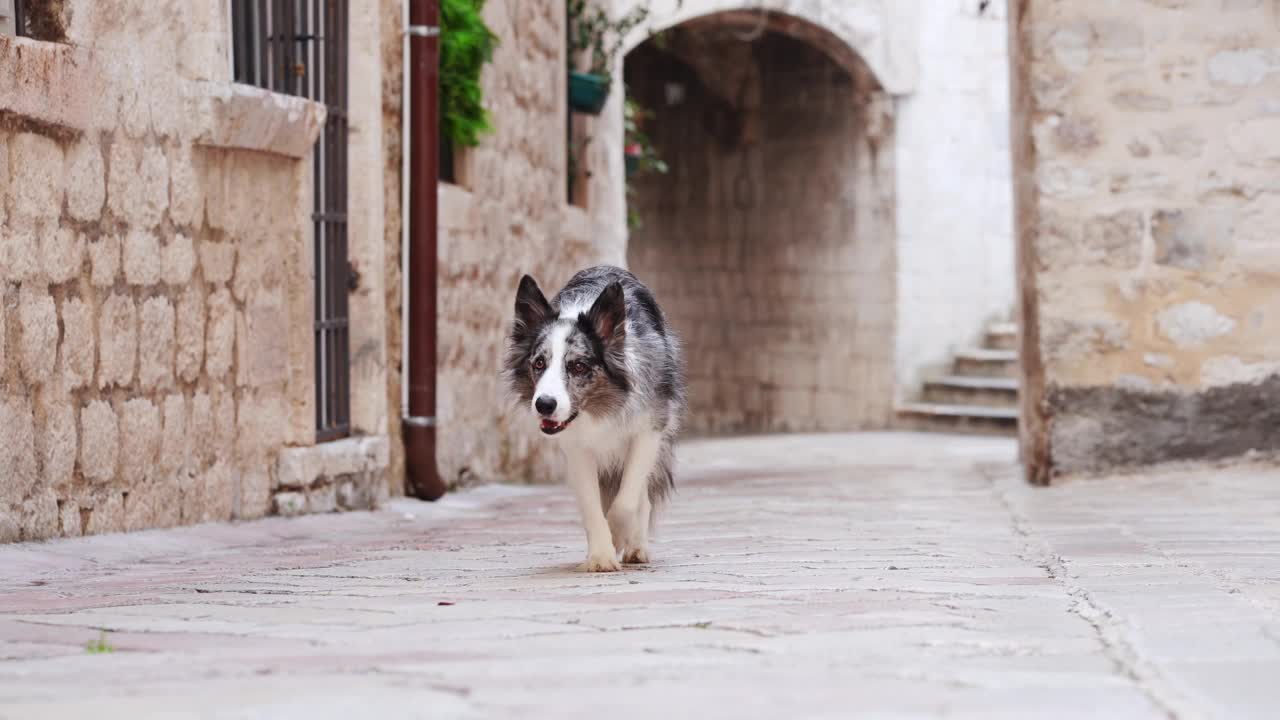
299,47
12,20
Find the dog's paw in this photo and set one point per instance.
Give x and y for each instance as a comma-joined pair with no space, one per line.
601,562
636,556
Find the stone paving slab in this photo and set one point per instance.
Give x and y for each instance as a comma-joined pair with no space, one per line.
877,575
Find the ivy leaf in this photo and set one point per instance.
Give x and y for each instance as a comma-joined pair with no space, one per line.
466,46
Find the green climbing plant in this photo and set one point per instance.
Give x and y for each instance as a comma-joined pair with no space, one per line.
642,157
638,144
597,37
466,45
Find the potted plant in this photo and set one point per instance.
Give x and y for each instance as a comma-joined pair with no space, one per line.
632,155
638,149
639,153
595,40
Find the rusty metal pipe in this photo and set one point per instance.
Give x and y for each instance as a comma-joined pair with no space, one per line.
419,424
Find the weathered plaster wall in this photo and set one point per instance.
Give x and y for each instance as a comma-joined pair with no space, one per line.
392,50
770,242
155,283
1147,205
955,195
371,414
508,217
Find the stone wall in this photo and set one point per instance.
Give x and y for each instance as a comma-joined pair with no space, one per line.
392,51
1146,160
155,280
770,242
508,216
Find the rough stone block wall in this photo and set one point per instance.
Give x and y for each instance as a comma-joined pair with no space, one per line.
510,216
770,243
345,475
126,344
153,271
1146,158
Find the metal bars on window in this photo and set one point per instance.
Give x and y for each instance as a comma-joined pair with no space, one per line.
332,335
275,43
299,47
11,20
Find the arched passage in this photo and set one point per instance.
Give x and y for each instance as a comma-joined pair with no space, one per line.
771,239
878,35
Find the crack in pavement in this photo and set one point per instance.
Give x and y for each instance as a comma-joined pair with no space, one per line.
1107,627
682,626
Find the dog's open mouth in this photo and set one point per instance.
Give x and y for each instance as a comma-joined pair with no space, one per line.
551,427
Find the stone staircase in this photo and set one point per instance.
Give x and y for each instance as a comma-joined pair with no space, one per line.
979,396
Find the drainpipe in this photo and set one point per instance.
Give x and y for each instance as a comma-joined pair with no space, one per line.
421,135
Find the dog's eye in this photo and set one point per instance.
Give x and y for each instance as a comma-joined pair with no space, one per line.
577,367
539,364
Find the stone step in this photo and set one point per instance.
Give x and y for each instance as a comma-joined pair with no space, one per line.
1001,336
987,363
972,390
967,419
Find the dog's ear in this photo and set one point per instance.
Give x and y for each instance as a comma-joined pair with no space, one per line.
532,308
607,317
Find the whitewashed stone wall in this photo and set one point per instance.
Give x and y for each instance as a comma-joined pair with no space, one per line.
955,193
1147,155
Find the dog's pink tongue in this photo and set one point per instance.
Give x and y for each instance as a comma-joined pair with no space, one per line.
550,424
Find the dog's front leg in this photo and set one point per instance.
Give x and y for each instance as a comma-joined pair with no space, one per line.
629,515
585,482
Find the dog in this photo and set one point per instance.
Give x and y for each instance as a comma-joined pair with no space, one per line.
603,375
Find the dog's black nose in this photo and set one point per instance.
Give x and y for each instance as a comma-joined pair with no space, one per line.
545,405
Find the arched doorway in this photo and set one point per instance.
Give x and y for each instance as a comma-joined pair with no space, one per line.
771,239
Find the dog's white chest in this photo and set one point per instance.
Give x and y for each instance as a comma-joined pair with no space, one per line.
606,441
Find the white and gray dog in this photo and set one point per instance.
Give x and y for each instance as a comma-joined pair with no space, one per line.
603,374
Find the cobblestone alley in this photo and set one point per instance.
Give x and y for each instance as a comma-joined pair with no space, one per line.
806,576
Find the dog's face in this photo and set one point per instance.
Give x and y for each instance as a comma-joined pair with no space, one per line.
561,367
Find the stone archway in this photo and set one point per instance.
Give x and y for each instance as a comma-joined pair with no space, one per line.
771,241
878,35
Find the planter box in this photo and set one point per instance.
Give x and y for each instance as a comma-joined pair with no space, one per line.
588,93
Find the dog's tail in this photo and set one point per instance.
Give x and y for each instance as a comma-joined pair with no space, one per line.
662,483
